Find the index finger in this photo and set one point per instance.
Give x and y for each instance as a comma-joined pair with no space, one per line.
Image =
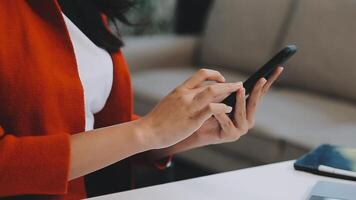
201,76
212,91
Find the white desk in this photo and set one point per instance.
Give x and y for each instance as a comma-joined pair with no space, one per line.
276,182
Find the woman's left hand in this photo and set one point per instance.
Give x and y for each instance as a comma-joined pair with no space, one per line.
222,129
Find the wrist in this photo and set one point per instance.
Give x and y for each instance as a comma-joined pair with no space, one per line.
144,134
184,145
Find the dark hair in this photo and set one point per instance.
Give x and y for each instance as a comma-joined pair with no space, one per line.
87,16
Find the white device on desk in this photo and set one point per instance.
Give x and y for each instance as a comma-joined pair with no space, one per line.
333,170
324,190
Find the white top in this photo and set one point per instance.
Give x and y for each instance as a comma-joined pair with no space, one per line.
276,181
95,68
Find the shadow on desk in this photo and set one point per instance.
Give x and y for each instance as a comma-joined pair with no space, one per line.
180,170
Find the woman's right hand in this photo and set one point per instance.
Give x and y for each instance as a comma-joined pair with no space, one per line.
185,109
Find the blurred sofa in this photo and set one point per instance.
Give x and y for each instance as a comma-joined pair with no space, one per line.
313,103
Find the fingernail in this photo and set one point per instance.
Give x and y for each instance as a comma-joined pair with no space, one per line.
242,91
264,80
228,109
236,85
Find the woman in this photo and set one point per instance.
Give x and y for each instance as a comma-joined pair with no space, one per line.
61,68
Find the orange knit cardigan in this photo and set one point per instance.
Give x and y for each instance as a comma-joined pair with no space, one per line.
41,101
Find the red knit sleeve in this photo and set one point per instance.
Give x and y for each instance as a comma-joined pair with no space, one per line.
34,164
135,117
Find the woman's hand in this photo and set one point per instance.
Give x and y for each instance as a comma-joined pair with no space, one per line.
219,128
185,109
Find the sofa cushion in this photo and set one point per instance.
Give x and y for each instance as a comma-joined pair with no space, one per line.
297,117
306,119
242,34
325,31
164,50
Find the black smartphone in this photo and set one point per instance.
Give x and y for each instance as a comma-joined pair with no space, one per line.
265,71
